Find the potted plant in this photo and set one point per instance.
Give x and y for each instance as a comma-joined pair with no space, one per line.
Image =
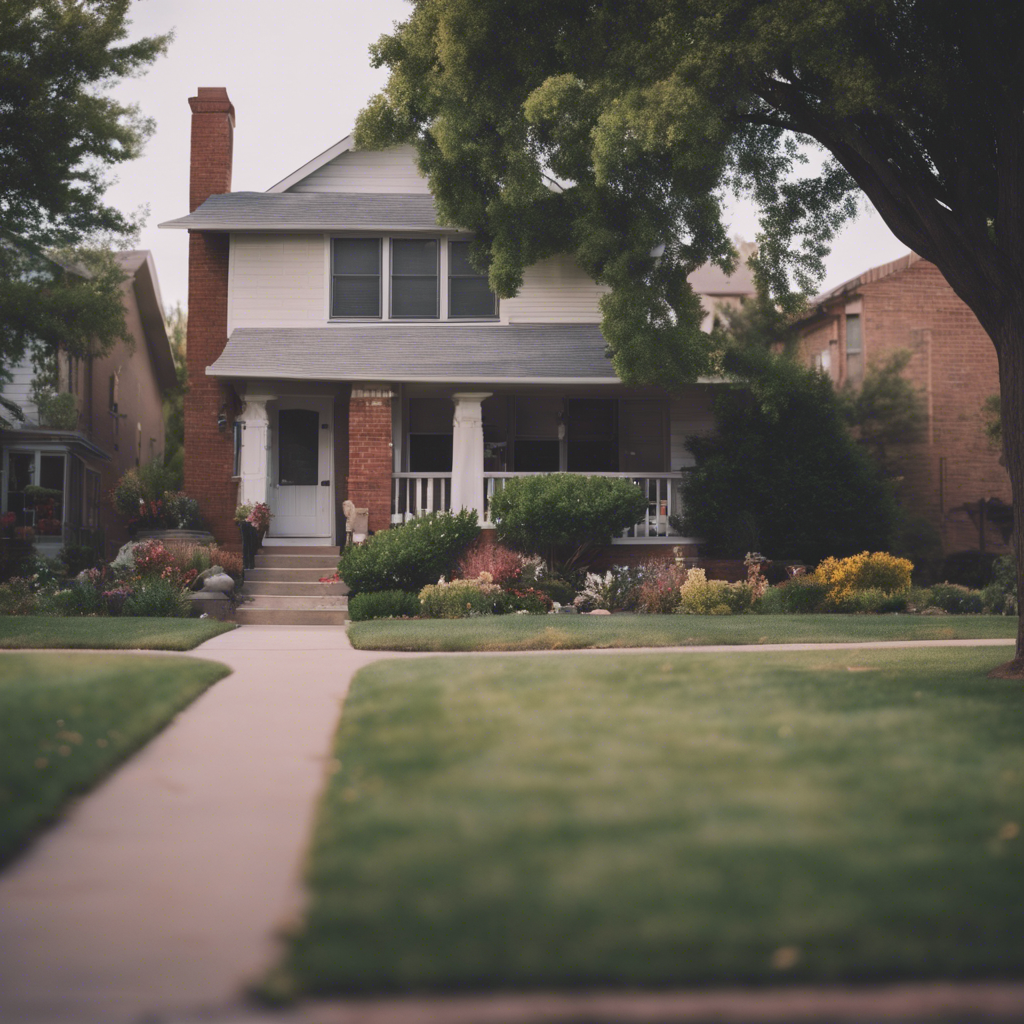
253,519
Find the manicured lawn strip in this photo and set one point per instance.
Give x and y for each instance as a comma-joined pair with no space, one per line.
658,820
563,632
67,719
28,631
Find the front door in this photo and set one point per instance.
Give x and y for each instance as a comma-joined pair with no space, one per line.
302,497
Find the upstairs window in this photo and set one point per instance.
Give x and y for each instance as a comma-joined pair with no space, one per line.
854,349
469,294
414,284
355,278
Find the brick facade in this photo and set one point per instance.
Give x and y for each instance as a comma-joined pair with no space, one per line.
908,305
209,450
369,453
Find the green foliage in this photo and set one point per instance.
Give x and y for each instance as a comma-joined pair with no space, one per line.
174,403
383,604
992,415
57,411
1000,596
802,595
155,597
411,556
180,511
562,514
17,596
459,599
886,412
782,474
874,601
79,599
955,599
701,596
61,132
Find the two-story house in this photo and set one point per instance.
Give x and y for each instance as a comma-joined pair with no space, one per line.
342,346
952,473
114,422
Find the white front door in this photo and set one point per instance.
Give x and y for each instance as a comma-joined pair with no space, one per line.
302,494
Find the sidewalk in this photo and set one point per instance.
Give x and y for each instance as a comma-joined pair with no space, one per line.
160,891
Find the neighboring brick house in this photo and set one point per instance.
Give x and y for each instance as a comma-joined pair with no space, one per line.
119,400
907,304
341,346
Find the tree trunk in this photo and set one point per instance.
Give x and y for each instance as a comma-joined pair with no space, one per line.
1011,390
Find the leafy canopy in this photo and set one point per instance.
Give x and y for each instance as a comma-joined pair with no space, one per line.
60,135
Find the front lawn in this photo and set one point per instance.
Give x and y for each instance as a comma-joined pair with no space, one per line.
27,631
653,820
562,632
67,719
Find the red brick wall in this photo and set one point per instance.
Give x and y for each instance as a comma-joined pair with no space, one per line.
954,363
340,460
369,454
209,451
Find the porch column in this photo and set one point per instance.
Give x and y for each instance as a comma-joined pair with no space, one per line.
255,456
468,452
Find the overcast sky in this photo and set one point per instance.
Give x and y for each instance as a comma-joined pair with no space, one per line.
298,72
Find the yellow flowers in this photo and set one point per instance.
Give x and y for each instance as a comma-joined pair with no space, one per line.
867,571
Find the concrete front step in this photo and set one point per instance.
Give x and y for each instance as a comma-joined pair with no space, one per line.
247,615
275,561
300,549
292,588
285,603
264,575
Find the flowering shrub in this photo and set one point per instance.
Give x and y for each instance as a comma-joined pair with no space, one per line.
459,599
701,596
154,559
524,599
127,495
115,599
659,590
504,565
7,521
598,592
18,596
875,571
756,580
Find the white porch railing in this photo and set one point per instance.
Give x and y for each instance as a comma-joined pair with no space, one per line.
414,494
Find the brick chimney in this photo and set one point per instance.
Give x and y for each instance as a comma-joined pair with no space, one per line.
209,405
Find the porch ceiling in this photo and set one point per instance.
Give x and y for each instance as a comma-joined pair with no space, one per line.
515,353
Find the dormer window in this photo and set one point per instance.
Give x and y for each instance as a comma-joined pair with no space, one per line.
355,278
414,290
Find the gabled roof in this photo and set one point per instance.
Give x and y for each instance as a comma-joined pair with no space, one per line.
313,211
315,164
868,277
139,266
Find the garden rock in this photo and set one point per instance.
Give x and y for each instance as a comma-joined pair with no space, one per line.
214,570
599,611
218,583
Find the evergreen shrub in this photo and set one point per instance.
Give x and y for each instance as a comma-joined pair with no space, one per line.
409,557
156,597
957,600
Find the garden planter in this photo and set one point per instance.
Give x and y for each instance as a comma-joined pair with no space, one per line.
250,544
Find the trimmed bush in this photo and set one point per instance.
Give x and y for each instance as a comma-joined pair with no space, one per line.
802,595
157,598
1000,596
701,596
956,600
409,557
383,604
560,515
874,601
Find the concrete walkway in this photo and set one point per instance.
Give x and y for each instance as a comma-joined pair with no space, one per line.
161,890
159,896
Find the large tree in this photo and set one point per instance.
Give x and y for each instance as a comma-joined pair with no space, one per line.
60,135
616,129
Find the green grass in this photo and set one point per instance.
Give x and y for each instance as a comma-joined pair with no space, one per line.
67,719
658,819
544,632
27,631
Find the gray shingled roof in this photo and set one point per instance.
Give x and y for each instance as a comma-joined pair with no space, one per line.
318,211
420,352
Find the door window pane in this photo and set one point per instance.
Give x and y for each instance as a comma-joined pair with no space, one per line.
298,447
355,277
469,294
414,277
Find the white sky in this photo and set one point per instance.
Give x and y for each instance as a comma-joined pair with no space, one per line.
298,72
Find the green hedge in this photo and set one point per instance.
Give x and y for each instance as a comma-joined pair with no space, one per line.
383,604
409,557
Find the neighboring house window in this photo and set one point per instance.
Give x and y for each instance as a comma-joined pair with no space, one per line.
35,491
469,294
854,349
355,278
414,278
91,509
